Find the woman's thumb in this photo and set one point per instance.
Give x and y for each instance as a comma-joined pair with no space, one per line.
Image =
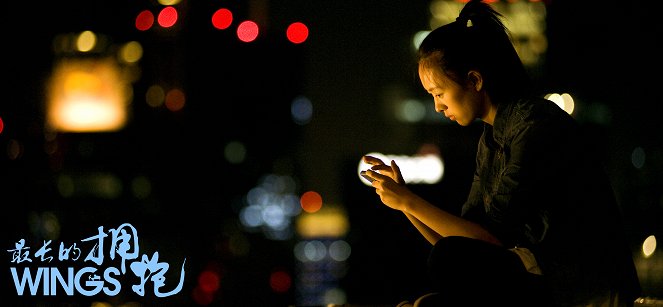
397,171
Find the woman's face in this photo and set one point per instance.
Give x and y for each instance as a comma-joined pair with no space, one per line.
461,103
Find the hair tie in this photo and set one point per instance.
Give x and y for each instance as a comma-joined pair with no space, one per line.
464,21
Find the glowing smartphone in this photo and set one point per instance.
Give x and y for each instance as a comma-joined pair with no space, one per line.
369,178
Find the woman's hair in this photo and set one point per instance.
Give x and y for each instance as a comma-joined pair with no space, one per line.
477,40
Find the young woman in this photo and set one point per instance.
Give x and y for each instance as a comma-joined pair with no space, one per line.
541,226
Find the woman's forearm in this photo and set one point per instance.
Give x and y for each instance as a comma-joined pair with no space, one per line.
442,223
430,235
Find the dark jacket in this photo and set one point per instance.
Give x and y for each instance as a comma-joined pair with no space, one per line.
538,185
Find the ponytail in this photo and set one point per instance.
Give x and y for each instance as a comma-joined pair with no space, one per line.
477,40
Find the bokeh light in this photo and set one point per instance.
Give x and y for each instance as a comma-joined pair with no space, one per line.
331,221
339,250
301,110
131,52
649,246
141,187
335,297
144,20
155,96
411,111
311,201
235,152
169,2
297,32
86,41
247,31
270,206
280,281
222,19
45,224
87,96
209,281
167,17
564,101
175,99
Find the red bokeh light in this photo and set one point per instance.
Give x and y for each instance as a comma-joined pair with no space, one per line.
247,31
280,281
144,20
297,32
209,281
311,201
167,17
175,100
222,19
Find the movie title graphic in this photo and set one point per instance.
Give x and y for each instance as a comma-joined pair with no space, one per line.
92,277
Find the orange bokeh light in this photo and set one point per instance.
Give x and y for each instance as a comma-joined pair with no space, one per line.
311,201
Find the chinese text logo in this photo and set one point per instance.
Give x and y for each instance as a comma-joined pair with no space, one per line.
89,280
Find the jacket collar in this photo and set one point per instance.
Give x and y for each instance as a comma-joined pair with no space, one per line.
504,111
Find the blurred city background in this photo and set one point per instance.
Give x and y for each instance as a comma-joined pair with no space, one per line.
224,139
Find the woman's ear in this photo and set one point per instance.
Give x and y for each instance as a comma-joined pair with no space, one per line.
475,79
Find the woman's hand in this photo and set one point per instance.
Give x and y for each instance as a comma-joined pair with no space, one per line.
392,171
389,183
431,221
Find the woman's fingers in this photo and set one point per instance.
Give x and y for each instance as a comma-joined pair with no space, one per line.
373,174
397,171
381,167
373,160
377,176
